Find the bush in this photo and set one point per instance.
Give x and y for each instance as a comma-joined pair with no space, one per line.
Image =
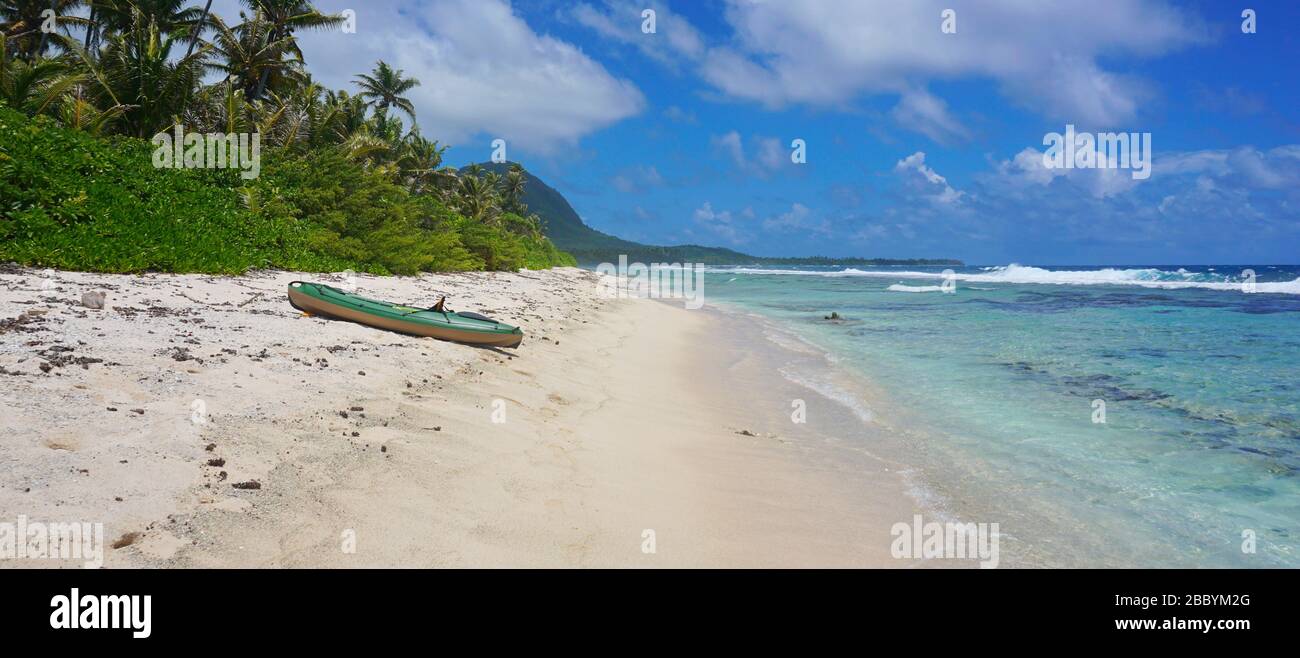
71,201
362,214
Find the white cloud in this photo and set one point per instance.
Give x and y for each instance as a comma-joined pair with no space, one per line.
674,40
1045,55
483,70
1286,151
935,187
927,114
1199,199
799,218
1263,170
767,154
1194,162
1027,168
719,223
1276,168
733,146
602,23
770,153
1244,167
1076,90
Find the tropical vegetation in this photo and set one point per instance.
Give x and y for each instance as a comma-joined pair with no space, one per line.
344,182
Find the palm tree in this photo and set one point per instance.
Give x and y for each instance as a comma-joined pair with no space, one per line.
249,59
203,21
419,161
386,127
136,70
170,15
445,183
345,116
80,114
285,17
33,87
512,191
21,21
220,107
273,118
92,25
385,87
477,199
304,114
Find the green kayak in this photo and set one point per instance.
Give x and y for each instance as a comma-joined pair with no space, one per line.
472,328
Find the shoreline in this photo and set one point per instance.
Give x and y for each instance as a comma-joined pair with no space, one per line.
996,400
620,417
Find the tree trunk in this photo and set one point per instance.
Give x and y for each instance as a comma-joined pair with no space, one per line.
274,35
40,50
199,30
90,28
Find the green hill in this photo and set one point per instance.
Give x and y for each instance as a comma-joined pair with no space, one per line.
589,246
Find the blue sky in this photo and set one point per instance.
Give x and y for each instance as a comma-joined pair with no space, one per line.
919,143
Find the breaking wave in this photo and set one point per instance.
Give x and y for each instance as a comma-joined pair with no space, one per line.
898,287
1023,274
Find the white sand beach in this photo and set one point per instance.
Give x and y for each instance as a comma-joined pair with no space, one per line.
370,448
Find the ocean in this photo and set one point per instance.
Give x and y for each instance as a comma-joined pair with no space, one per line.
1118,416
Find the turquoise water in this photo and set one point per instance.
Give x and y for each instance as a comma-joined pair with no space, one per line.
992,388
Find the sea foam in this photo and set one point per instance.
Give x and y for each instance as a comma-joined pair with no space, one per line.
898,287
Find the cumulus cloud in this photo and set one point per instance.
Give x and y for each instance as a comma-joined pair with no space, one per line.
925,178
1216,202
1194,203
1243,182
770,154
1028,168
762,158
483,70
721,223
733,146
927,114
1243,167
1044,55
799,218
674,40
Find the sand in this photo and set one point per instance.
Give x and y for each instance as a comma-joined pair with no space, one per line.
622,433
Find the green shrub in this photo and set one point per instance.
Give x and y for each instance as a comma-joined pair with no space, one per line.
72,201
505,250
